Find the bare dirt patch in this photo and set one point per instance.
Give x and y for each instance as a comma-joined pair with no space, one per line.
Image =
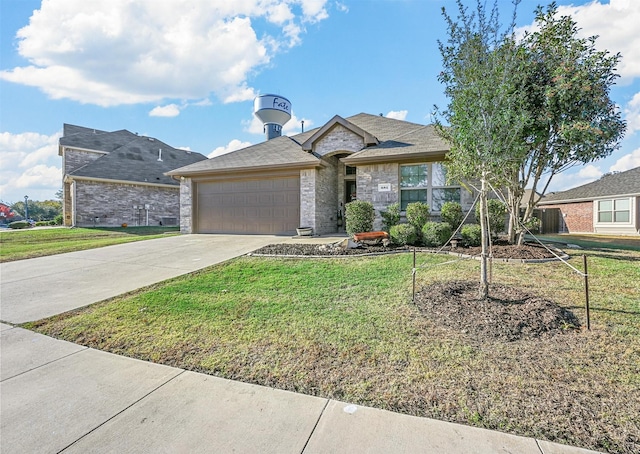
508,314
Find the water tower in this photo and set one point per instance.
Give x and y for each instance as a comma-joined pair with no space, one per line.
274,111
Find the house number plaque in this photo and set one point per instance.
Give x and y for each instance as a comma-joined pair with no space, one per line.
384,187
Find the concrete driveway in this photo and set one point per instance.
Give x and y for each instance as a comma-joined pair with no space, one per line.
37,288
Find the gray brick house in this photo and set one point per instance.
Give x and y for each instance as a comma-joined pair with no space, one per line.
304,180
610,205
111,178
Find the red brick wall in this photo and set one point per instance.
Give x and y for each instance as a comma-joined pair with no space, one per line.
578,217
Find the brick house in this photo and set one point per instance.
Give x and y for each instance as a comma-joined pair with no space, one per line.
610,205
111,178
304,180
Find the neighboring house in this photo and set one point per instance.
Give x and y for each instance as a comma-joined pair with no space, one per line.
610,205
111,178
304,180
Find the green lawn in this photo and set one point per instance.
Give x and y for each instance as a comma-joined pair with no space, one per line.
346,329
38,242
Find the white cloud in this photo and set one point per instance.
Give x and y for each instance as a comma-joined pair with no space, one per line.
397,114
29,165
170,110
627,162
234,145
108,52
632,114
290,128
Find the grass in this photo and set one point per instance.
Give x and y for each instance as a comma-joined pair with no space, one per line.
26,244
594,241
346,329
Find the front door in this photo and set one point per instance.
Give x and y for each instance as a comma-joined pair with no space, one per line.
349,191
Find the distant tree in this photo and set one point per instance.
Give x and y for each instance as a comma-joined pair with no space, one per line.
6,213
573,119
483,76
39,211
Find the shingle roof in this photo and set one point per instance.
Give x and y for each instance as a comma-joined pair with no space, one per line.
281,151
398,140
94,139
615,184
134,160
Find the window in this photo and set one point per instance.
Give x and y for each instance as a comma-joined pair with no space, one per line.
426,183
615,210
350,170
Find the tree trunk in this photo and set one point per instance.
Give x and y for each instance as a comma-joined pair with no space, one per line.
484,281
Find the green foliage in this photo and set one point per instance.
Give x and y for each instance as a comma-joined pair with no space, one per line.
58,219
436,234
497,212
39,211
42,223
471,234
403,234
533,224
359,216
390,217
19,225
418,214
451,213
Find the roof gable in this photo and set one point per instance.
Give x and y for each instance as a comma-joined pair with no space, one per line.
368,138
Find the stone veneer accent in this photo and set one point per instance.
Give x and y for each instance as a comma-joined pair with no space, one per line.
327,197
338,138
186,205
112,204
308,198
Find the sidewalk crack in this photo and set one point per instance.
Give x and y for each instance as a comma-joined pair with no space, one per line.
315,426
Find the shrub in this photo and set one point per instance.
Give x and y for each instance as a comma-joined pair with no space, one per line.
471,234
497,211
436,233
403,234
359,216
418,215
390,217
58,219
451,213
19,225
534,224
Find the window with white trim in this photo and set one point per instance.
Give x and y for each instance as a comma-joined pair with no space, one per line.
426,183
614,210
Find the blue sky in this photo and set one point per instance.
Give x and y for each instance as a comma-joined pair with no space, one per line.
186,71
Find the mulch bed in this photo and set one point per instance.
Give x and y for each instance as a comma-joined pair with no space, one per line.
509,314
500,250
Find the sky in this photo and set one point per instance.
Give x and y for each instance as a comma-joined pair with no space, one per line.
186,71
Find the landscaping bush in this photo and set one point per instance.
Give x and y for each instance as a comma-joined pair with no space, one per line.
403,234
534,224
390,217
58,220
19,225
451,213
471,234
42,223
418,215
497,211
436,234
359,216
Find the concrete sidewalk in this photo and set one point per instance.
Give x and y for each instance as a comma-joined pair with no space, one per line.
56,396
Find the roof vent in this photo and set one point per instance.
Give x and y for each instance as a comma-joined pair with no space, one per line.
160,154
274,111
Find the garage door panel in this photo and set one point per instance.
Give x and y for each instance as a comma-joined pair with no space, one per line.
267,206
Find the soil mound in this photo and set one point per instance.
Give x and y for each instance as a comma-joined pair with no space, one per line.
509,314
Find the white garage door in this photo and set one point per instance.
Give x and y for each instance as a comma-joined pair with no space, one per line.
267,206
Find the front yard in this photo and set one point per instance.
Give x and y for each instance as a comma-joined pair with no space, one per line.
347,329
40,242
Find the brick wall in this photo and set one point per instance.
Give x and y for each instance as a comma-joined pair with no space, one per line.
186,205
368,177
578,217
110,204
338,139
326,198
308,198
74,159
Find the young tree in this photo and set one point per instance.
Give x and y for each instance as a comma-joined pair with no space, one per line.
574,121
483,76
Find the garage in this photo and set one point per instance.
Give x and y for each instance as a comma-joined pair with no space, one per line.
248,206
